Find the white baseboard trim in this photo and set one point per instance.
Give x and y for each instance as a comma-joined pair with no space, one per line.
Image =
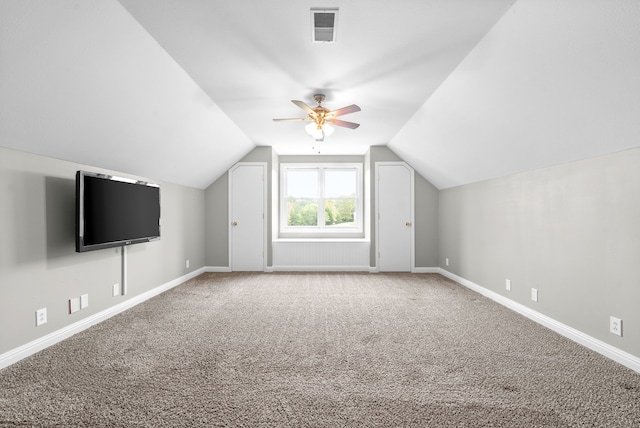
349,268
374,269
426,270
597,345
618,355
217,269
370,269
17,354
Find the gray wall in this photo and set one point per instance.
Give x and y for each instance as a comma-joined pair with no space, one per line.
426,222
38,263
571,231
217,222
217,202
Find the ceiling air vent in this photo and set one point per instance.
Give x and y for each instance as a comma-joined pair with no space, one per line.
323,25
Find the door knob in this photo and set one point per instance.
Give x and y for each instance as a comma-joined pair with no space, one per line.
408,223
235,223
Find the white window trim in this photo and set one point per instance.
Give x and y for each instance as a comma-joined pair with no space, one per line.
321,230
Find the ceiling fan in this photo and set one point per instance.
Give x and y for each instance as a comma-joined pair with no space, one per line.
322,118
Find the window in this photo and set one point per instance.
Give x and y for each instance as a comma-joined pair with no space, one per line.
321,198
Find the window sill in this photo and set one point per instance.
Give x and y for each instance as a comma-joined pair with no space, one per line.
332,239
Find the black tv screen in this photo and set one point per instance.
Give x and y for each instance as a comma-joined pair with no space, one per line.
114,211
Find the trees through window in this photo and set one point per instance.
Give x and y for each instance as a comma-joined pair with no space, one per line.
321,198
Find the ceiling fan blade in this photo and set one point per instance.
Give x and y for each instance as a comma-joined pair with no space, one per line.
304,107
344,123
345,110
292,119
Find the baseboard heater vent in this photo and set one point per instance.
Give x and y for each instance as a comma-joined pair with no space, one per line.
321,255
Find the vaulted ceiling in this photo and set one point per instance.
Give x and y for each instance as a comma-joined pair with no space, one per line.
463,90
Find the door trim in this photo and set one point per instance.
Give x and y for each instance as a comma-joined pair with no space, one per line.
264,211
412,264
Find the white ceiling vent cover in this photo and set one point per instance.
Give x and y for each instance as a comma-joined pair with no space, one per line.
323,25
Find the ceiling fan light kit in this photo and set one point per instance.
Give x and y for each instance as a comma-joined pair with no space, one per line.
319,132
322,119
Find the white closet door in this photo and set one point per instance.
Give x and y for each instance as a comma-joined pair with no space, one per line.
247,202
394,216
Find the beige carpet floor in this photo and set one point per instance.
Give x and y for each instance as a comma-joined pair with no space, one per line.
319,350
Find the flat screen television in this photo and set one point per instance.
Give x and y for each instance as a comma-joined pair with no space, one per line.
114,211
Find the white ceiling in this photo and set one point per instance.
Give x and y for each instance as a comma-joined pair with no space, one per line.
464,90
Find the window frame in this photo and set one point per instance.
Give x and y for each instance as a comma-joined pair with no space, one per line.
322,230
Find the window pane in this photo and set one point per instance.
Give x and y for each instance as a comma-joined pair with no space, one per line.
339,184
302,212
340,212
320,198
302,184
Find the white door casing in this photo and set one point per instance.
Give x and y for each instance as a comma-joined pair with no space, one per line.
394,217
247,216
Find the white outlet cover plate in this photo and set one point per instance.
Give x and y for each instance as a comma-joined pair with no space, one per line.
115,290
84,301
508,284
41,316
615,326
534,294
74,305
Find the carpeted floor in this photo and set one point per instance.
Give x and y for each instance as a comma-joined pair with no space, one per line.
319,350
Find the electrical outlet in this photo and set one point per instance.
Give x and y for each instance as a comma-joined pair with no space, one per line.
41,317
615,326
84,301
187,264
534,294
74,305
446,261
115,290
508,284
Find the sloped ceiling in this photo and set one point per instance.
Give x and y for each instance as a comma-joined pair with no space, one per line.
464,90
552,82
83,81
